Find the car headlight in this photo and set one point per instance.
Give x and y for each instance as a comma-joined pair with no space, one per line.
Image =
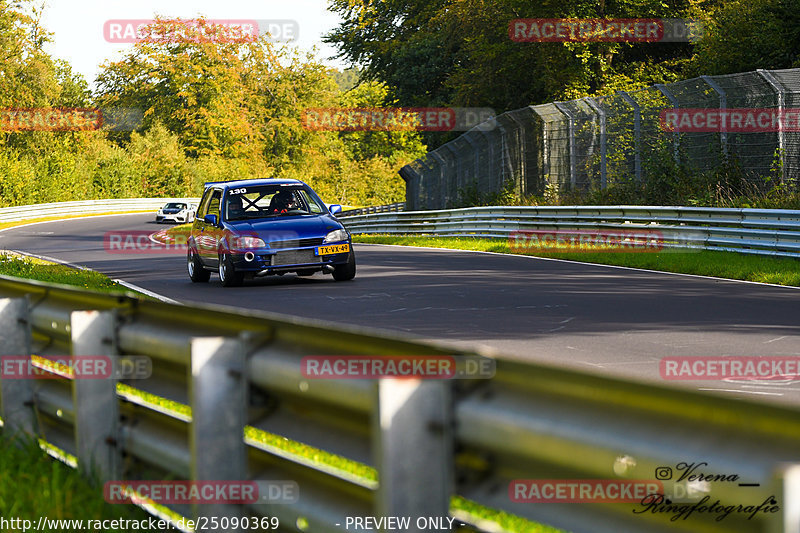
336,235
247,243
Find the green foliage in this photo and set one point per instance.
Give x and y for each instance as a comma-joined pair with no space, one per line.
747,35
459,53
212,111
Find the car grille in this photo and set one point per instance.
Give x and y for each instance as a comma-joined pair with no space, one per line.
295,257
296,243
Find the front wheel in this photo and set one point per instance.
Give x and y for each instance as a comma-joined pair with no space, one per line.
197,273
227,273
347,271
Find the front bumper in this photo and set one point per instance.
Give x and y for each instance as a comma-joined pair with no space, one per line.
266,261
177,218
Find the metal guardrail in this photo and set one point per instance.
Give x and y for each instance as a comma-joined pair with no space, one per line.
428,439
755,231
85,207
400,206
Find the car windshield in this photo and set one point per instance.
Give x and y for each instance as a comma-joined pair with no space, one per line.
263,201
175,206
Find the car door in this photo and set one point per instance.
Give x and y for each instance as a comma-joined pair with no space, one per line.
208,233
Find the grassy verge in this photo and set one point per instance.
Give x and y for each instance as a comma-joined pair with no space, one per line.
36,269
729,265
32,486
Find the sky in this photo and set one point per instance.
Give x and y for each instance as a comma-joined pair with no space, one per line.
77,25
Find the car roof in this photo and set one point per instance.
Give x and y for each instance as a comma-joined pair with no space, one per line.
251,183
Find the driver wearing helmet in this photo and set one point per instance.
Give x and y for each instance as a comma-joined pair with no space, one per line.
235,207
282,202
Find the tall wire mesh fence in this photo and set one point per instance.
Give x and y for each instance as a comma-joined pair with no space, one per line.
593,143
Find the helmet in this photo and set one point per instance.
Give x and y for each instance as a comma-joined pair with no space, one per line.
283,200
235,206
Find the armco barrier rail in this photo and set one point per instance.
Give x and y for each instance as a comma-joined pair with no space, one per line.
84,207
755,231
400,206
427,439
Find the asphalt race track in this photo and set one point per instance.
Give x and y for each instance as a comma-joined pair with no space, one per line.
595,318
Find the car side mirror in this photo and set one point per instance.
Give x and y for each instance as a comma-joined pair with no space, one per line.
210,219
335,209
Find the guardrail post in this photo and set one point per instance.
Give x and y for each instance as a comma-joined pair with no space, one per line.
93,333
413,439
637,134
218,397
17,410
787,494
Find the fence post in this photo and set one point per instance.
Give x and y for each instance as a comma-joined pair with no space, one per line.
573,178
19,416
637,134
93,333
603,151
413,436
769,78
676,135
723,105
444,183
411,177
523,167
456,169
218,397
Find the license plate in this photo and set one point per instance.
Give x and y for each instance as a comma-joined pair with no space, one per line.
333,249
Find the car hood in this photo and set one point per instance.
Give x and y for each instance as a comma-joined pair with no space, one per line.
288,227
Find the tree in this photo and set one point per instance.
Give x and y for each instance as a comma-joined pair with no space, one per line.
743,36
458,52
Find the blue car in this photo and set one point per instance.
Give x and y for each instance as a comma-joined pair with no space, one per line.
252,228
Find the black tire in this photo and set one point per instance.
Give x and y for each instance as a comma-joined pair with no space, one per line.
197,273
347,271
227,272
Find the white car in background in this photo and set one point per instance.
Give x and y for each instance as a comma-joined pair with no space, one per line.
178,212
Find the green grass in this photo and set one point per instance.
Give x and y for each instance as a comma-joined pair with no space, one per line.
30,268
34,485
729,265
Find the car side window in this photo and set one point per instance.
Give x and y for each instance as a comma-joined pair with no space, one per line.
213,205
202,210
